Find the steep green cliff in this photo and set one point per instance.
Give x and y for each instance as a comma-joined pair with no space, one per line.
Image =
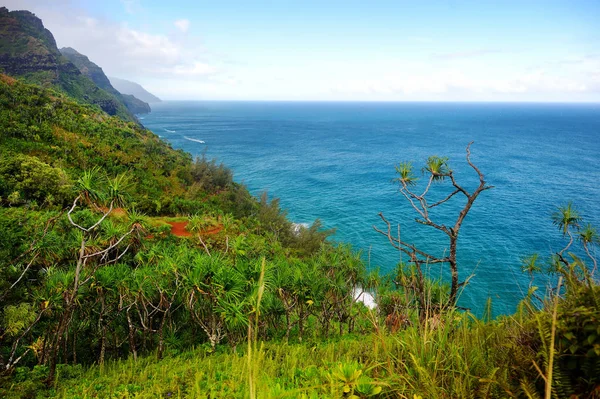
96,74
29,51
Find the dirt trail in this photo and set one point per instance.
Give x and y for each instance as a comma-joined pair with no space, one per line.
178,229
214,230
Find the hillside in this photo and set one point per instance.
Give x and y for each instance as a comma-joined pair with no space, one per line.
96,74
132,88
101,299
29,51
50,129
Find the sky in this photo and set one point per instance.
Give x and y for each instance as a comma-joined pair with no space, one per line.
330,50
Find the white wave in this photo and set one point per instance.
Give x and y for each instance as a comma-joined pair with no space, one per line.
170,131
298,227
365,297
195,140
140,117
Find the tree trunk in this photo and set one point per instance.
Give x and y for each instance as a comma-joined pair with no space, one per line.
60,331
161,336
102,346
132,348
453,270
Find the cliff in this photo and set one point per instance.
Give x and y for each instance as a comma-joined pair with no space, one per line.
29,51
96,74
135,89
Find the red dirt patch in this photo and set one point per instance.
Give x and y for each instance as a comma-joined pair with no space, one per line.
7,79
214,230
178,229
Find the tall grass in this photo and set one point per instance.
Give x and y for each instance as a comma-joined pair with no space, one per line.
449,355
461,357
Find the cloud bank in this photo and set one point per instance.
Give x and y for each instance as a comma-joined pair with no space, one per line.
118,48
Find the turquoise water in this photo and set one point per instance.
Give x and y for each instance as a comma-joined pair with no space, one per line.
335,162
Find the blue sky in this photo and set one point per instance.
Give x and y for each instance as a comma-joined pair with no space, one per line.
339,50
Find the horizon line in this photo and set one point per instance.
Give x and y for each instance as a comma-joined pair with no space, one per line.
592,102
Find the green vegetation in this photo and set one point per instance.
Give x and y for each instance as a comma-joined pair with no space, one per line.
130,270
29,51
96,75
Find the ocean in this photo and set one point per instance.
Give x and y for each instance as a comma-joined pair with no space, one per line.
335,162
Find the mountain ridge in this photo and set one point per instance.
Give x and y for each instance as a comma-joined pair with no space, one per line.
133,88
97,75
28,51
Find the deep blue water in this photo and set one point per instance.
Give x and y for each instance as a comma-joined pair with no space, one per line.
335,162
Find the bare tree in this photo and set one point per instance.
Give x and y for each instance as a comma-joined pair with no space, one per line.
437,170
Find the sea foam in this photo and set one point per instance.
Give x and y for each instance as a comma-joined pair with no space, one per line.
297,227
194,140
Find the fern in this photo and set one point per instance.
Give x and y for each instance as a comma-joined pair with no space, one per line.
529,390
561,383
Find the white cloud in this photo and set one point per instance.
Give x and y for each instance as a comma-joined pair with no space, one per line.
455,82
121,50
196,69
540,81
465,54
182,24
132,6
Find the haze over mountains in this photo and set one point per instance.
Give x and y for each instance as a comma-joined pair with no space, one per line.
134,89
29,51
96,74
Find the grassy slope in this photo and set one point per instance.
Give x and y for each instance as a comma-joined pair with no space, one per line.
461,357
73,137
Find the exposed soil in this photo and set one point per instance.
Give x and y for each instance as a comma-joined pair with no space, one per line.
178,229
215,230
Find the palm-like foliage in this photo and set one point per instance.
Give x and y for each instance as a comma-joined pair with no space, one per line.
530,264
588,235
118,189
437,166
566,217
88,185
407,177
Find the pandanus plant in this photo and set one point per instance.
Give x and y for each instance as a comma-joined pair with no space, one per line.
589,238
436,169
566,218
94,190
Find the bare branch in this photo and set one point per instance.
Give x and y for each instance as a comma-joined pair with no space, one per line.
409,195
455,184
95,224
445,199
428,185
481,180
204,245
440,227
23,273
112,246
405,247
11,363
